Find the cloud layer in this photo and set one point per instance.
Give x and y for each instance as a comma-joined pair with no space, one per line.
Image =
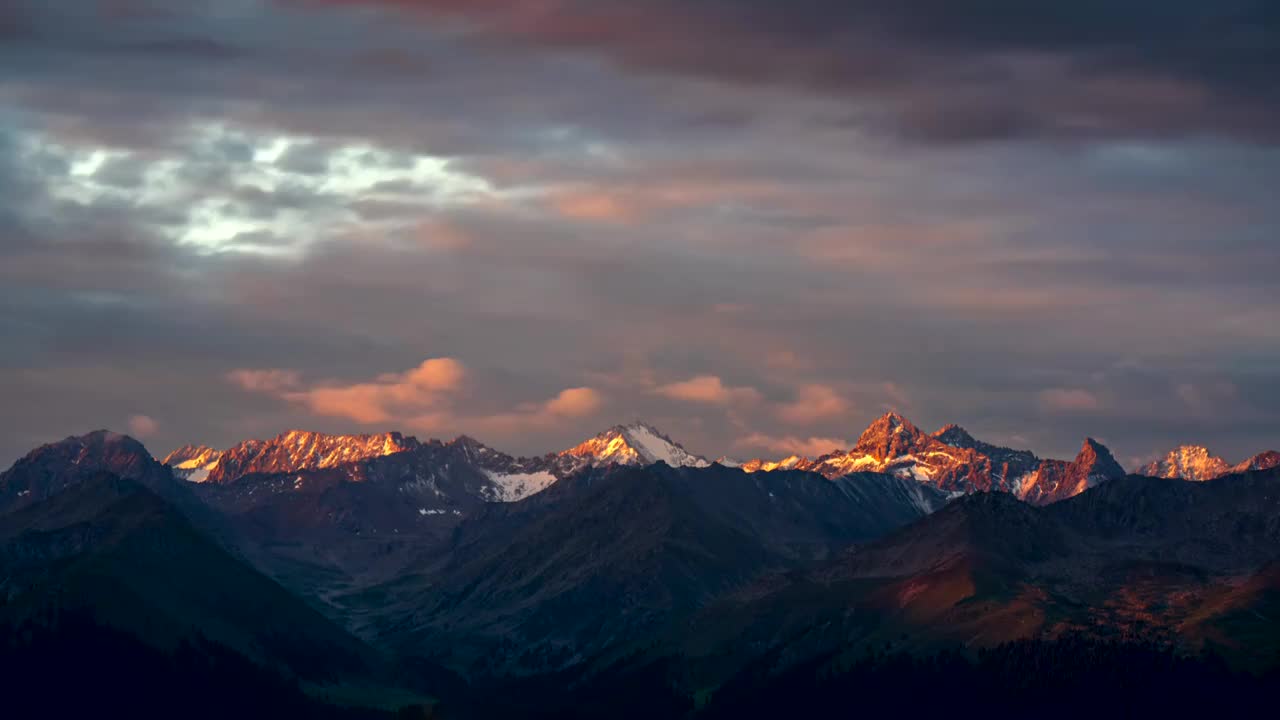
755,224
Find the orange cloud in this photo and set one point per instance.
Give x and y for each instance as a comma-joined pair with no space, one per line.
813,402
436,374
708,389
442,236
570,403
574,402
1069,400
592,205
142,426
387,397
424,398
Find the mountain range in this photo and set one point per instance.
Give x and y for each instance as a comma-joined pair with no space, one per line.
952,460
1194,462
625,566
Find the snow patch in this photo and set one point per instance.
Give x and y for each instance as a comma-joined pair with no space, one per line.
655,448
512,487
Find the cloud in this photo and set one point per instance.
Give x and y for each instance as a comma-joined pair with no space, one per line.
786,359
814,402
777,446
574,402
940,70
387,397
1069,400
431,397
708,389
264,381
142,426
592,205
568,405
1207,396
755,193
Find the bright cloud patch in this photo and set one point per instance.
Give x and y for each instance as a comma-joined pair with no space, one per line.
142,426
707,389
431,397
386,397
220,188
813,403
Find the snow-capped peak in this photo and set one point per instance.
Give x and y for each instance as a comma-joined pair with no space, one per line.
635,444
193,462
287,452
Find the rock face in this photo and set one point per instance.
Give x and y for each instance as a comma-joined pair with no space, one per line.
1262,461
301,450
510,478
1188,462
634,444
50,469
1056,480
1193,462
357,495
193,462
953,461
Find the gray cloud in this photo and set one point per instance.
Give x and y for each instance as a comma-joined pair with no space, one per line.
941,70
872,198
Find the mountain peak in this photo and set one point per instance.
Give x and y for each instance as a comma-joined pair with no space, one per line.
1261,461
103,439
1096,455
955,436
893,418
636,443
51,468
1187,462
305,450
193,462
891,435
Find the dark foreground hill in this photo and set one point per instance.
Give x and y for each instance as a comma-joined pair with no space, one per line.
105,582
606,559
636,591
1186,566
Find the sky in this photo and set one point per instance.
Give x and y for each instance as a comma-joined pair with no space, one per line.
755,224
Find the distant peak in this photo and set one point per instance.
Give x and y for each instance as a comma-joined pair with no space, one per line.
1187,462
889,434
1261,461
1096,455
192,456
636,426
636,443
98,450
955,436
306,435
101,440
101,436
1093,447
294,450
